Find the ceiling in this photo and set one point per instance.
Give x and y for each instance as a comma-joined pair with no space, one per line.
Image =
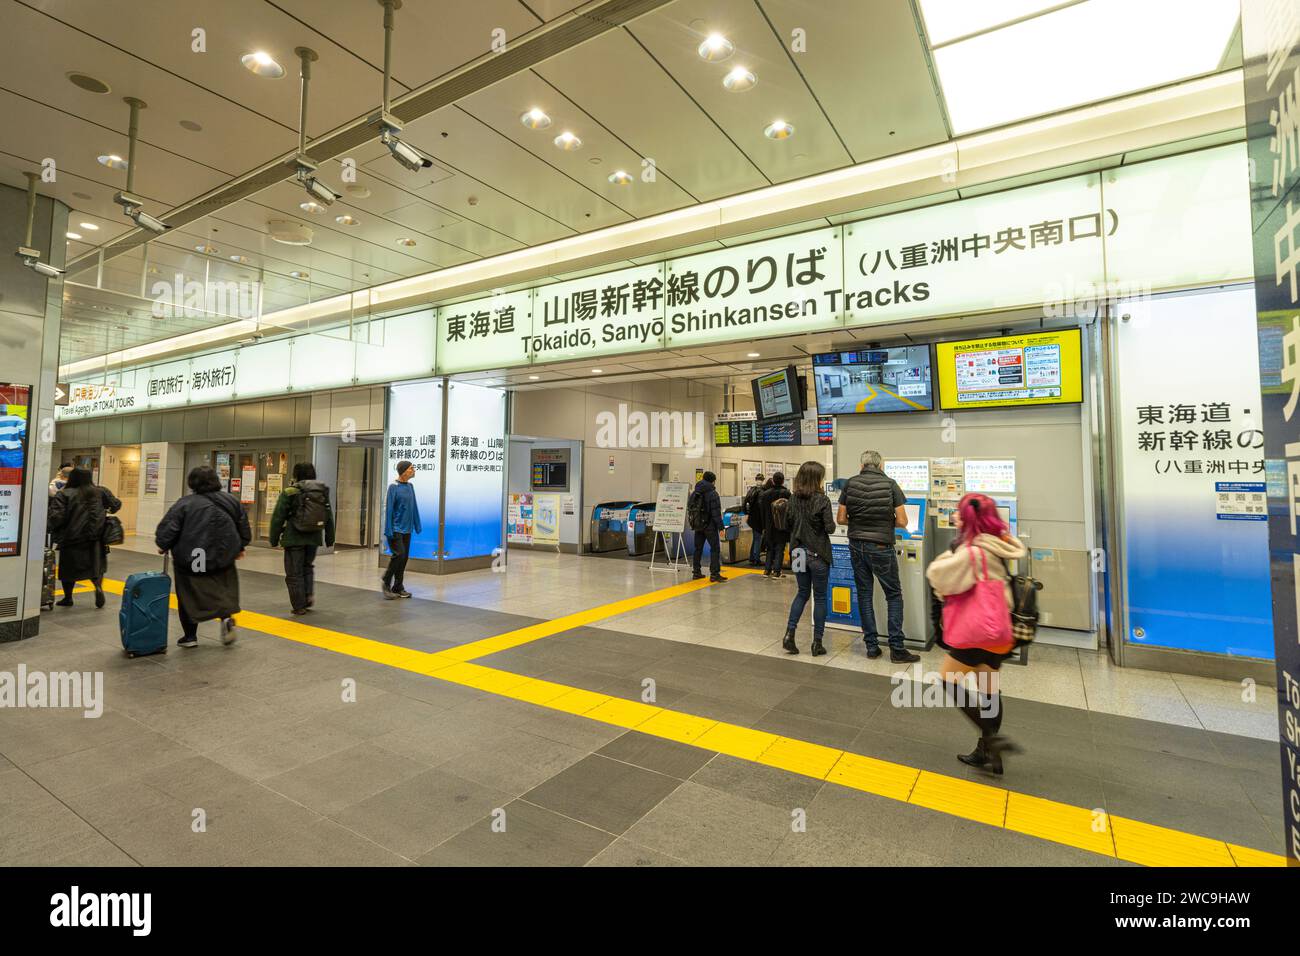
855,87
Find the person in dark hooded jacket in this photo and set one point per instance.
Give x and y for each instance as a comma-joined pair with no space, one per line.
708,494
299,545
206,533
76,523
774,538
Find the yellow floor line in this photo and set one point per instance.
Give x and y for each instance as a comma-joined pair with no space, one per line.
1050,820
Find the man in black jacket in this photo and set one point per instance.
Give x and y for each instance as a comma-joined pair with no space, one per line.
871,504
755,517
712,505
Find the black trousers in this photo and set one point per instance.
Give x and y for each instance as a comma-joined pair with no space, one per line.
715,551
400,545
300,574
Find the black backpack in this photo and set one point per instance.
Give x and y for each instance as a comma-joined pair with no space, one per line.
697,512
1024,611
780,517
312,508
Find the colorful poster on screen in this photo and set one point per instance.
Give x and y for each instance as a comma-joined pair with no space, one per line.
1043,368
14,416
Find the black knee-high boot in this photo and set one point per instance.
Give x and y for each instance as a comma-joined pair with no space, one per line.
67,593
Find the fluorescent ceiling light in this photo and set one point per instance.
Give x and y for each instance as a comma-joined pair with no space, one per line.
89,225
74,235
1137,46
948,19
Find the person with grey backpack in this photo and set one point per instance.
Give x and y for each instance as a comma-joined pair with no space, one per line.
302,522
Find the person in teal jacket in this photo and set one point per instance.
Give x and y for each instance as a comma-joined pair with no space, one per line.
299,545
401,520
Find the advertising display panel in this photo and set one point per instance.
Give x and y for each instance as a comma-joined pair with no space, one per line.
1042,368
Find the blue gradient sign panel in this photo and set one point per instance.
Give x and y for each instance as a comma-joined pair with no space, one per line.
414,434
475,462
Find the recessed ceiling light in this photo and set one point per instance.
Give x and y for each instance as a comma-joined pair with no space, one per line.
738,80
620,178
535,119
242,260
534,377
489,381
357,190
261,63
312,207
190,125
716,48
568,142
778,129
89,225
754,355
595,160
404,241
597,371
206,249
300,275
88,83
346,220
112,161
74,235
289,233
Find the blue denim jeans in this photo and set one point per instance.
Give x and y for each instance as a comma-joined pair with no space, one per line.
756,548
815,580
775,542
870,561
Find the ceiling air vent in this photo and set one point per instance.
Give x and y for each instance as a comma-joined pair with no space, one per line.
289,233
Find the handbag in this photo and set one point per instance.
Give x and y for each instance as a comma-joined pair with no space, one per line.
1024,606
978,617
113,531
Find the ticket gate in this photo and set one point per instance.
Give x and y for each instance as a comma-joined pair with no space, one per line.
640,534
736,537
609,525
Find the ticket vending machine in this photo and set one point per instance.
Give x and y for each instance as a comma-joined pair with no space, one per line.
609,525
913,556
640,528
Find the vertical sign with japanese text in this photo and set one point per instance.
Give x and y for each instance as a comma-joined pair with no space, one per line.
414,434
1270,31
475,462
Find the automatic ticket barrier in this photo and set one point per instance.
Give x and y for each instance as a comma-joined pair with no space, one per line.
640,534
912,555
735,538
609,525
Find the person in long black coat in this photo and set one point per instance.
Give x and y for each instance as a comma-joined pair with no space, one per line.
76,523
206,533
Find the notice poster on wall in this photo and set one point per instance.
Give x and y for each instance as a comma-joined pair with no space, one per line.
248,486
13,465
1040,368
912,474
476,421
749,471
519,519
414,421
990,476
670,506
274,485
223,470
1191,451
152,465
546,519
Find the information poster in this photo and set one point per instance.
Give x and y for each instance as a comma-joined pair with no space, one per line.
274,485
476,421
519,519
947,486
670,506
1042,368
770,468
546,519
912,474
152,466
991,476
1241,500
414,420
223,469
13,462
248,486
749,472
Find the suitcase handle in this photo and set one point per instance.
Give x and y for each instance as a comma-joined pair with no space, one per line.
167,557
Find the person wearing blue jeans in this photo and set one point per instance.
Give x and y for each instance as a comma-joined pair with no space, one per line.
872,505
755,516
401,520
811,524
878,561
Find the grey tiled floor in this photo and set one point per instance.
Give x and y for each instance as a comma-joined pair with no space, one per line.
259,738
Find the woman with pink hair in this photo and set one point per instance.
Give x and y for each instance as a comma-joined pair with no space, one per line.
970,578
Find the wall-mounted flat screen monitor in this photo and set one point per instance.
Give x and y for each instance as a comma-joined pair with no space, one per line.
777,395
1039,368
873,380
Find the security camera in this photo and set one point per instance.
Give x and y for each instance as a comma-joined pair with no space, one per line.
32,259
132,208
305,173
408,156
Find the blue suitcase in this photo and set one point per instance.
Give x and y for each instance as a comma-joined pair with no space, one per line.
145,612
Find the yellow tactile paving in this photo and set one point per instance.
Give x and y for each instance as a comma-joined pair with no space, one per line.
1060,823
874,776
1049,820
1153,845
961,798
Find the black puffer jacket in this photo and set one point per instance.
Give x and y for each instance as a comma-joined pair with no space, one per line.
213,524
870,498
76,518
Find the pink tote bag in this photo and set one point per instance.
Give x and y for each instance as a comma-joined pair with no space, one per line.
978,617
